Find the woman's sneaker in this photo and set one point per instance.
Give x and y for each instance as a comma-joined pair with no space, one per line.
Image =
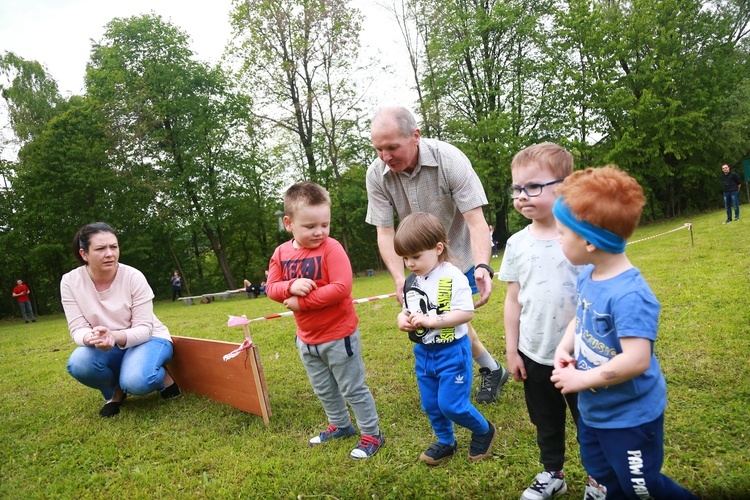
368,446
333,432
438,452
546,485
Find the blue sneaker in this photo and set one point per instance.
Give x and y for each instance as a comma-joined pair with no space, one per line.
481,444
333,432
438,452
368,446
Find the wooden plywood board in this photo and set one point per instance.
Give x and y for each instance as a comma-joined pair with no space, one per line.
197,366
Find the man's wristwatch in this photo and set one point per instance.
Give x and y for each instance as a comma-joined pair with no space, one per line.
487,268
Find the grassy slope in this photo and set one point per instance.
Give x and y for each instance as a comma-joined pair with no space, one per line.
55,445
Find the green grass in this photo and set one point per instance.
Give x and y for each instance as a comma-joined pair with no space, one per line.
54,444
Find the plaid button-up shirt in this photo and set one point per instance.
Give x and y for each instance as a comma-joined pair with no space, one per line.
443,184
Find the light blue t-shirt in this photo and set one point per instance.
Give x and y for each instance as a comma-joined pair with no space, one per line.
608,310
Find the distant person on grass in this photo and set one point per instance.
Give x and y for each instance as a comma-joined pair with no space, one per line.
123,346
539,304
493,244
311,275
607,353
414,174
730,183
252,290
21,293
176,283
437,308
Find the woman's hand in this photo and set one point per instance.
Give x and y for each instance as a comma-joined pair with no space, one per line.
103,338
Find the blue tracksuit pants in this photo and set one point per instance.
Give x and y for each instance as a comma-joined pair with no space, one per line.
444,376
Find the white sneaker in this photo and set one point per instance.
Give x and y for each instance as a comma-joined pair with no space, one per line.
546,485
594,490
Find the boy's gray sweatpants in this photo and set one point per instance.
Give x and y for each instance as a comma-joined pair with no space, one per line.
337,374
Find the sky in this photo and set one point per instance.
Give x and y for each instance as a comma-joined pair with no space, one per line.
58,34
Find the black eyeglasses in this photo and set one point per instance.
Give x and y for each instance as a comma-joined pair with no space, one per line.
531,190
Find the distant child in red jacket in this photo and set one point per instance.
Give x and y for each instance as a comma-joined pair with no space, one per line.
312,276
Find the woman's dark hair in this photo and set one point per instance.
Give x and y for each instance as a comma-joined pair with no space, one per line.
83,237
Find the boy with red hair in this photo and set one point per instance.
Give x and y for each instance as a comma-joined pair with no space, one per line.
607,353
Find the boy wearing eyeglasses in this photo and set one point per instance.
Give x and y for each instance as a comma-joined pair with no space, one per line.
539,304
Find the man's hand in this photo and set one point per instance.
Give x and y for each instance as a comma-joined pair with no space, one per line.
484,285
400,291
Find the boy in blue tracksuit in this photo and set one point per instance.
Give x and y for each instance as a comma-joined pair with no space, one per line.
437,308
607,353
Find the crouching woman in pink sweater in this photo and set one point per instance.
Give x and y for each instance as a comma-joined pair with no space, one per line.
123,347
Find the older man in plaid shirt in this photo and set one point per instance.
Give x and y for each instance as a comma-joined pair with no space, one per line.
413,174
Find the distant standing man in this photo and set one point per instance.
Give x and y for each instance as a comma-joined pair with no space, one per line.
412,174
731,184
21,292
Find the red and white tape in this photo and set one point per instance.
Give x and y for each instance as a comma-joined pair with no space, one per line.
289,313
243,321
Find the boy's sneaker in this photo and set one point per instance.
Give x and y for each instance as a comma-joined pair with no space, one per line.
727,221
594,490
491,384
333,432
481,444
438,452
546,485
368,446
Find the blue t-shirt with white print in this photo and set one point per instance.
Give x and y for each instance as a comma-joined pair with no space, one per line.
606,311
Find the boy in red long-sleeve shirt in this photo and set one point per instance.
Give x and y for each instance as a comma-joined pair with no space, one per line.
312,276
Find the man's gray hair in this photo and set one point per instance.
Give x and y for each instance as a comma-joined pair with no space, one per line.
403,118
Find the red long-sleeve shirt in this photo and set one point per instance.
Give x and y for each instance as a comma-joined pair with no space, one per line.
326,313
21,292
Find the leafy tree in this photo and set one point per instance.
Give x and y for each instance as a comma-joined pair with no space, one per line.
182,130
31,96
298,60
412,17
654,77
297,57
487,77
31,100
